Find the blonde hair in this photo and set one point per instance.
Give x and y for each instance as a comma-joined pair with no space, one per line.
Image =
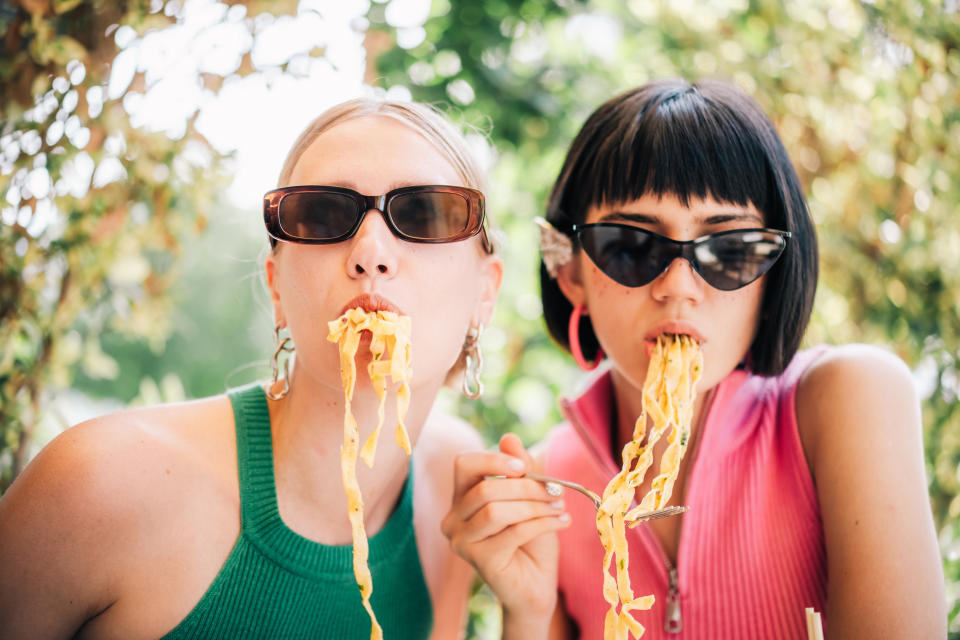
422,118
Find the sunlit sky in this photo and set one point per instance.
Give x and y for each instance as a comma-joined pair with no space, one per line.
258,116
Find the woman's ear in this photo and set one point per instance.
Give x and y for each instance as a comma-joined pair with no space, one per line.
270,267
570,283
491,277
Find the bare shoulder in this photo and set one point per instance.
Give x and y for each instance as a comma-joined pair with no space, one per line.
107,469
853,364
444,436
854,381
448,576
99,489
857,408
109,457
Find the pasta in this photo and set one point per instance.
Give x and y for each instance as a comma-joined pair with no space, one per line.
668,392
390,333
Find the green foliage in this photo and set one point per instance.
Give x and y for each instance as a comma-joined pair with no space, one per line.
94,210
213,344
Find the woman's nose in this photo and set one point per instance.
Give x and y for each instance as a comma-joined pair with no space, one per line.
373,252
679,281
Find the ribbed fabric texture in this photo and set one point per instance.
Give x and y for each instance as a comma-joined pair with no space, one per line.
277,584
751,554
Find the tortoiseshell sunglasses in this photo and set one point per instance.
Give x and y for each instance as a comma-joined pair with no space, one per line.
316,214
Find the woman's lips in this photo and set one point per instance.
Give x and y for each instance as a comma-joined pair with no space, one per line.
673,327
676,327
371,302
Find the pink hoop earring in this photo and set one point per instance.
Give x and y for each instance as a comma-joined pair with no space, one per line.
573,337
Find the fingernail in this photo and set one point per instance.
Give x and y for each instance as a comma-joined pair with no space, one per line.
564,517
516,464
557,504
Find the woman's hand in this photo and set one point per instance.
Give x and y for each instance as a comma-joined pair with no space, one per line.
506,528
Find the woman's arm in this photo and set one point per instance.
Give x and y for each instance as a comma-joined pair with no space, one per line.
506,528
449,577
859,420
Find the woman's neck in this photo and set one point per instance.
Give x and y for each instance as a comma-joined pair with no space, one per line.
627,405
308,432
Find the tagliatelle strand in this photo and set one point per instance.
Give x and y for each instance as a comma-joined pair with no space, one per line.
668,393
390,334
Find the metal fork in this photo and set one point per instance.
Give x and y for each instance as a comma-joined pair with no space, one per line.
554,490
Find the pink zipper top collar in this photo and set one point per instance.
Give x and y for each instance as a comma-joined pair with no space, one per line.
590,416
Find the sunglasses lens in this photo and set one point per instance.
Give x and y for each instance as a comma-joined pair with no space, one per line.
628,255
729,261
433,215
317,215
634,257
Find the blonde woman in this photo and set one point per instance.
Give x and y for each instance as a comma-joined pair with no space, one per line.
226,517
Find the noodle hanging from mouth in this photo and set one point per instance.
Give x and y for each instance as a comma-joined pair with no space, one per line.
668,393
390,335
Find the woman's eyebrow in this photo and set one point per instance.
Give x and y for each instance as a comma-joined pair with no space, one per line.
416,183
636,218
342,184
732,216
708,219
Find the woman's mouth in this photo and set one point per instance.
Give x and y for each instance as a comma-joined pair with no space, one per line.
671,328
371,302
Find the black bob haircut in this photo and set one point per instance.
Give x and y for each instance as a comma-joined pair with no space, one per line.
692,140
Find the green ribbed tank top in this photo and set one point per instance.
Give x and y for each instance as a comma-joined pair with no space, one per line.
278,584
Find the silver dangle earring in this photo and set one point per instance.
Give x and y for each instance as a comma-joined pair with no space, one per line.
286,344
474,363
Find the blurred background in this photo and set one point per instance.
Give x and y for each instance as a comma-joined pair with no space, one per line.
137,138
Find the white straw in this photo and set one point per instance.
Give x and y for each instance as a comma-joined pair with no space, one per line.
814,624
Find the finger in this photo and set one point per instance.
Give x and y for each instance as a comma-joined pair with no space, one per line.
511,445
471,468
492,490
501,548
495,517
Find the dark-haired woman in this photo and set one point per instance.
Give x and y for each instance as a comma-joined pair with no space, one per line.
678,211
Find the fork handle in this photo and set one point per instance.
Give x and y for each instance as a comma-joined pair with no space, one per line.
566,483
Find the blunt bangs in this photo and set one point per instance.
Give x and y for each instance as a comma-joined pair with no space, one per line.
671,138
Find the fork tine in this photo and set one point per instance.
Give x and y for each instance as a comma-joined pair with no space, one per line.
666,512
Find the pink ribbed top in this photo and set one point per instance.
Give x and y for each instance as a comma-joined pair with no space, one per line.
751,555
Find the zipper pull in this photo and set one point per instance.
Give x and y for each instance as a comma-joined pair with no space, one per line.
673,623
